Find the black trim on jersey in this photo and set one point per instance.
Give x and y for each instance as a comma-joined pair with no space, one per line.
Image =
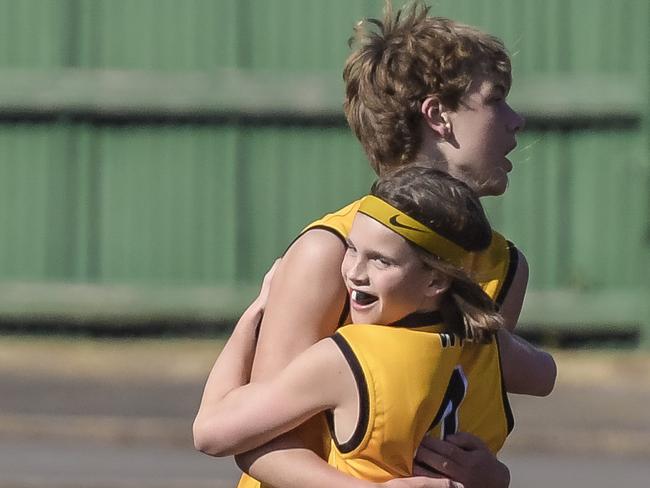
510,275
364,399
510,419
419,319
454,394
322,227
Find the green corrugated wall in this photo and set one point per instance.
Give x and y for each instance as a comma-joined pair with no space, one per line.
214,200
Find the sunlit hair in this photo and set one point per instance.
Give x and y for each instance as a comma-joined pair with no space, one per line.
449,207
397,62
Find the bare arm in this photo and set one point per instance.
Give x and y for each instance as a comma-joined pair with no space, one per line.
252,414
514,299
232,368
527,370
305,302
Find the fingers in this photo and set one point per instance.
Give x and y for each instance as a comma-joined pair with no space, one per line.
467,442
425,482
442,448
433,462
423,470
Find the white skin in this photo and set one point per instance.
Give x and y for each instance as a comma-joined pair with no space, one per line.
308,294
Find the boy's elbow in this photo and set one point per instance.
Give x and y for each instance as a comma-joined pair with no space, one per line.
206,442
547,382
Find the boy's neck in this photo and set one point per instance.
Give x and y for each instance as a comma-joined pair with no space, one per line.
419,319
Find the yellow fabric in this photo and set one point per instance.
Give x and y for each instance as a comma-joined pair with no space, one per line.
489,268
340,221
414,231
407,372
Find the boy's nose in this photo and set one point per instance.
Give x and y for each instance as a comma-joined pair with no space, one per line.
518,121
357,274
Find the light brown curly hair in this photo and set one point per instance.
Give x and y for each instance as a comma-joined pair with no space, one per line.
401,60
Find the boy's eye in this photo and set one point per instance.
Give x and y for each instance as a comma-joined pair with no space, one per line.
382,261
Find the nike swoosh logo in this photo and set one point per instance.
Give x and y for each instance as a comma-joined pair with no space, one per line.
393,221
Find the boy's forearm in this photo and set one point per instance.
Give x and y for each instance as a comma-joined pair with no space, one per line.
233,366
275,464
526,369
231,370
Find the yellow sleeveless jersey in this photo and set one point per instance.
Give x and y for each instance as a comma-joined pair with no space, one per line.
413,379
493,268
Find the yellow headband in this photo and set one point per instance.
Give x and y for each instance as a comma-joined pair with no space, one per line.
415,232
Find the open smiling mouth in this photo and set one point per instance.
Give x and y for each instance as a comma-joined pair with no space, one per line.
362,298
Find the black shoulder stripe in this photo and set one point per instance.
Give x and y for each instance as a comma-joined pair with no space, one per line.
507,410
364,401
513,263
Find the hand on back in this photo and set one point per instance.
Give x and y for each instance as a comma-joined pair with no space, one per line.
464,458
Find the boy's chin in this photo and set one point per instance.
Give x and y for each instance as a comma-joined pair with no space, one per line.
493,188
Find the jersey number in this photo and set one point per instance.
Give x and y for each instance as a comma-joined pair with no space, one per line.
447,415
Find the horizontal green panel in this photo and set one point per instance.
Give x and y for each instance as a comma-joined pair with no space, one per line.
574,308
38,210
236,93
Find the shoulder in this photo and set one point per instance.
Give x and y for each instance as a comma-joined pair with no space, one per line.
316,243
322,356
318,371
317,254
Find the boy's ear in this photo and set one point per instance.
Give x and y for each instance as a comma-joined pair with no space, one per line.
438,284
435,117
